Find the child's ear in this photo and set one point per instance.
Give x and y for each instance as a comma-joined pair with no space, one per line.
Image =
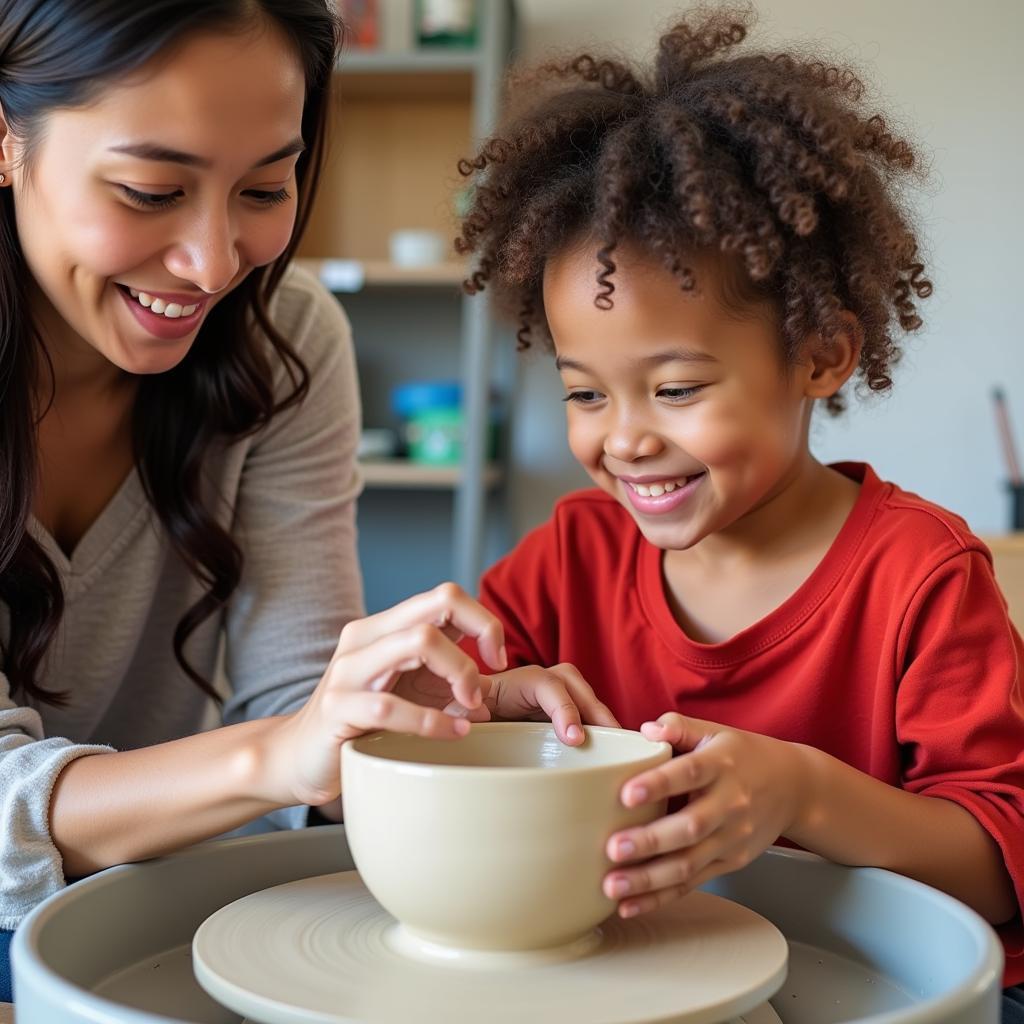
829,365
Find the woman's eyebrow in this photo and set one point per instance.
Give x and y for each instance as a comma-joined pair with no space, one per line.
165,155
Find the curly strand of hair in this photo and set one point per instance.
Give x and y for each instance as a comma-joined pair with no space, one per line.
605,284
615,76
622,170
495,151
539,229
684,47
527,315
477,281
683,144
875,137
821,76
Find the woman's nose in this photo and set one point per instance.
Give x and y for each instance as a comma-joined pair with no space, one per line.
207,255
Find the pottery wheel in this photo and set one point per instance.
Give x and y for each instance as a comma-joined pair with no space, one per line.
323,950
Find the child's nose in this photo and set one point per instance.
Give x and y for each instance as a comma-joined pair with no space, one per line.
630,442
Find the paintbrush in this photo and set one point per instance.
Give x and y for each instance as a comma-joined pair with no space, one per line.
1006,436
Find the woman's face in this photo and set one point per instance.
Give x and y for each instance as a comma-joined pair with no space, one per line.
142,210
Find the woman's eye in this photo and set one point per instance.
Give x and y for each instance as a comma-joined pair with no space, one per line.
583,397
151,200
275,198
680,394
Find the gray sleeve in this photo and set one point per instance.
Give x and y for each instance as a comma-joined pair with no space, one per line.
30,865
295,521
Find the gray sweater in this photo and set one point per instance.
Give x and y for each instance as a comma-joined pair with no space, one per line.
287,495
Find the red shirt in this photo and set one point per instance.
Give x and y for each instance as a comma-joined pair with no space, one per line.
896,655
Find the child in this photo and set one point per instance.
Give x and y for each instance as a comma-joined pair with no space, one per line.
713,245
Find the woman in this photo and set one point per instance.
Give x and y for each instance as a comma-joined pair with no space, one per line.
178,422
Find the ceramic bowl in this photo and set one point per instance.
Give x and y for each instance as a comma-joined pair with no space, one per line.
496,841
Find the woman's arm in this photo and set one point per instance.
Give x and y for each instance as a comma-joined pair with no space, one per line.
111,808
118,807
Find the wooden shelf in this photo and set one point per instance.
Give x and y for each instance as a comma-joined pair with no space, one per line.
353,275
401,473
441,60
1005,543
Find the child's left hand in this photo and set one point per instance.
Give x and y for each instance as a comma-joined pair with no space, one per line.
558,693
745,790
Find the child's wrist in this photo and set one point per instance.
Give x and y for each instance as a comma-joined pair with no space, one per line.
809,807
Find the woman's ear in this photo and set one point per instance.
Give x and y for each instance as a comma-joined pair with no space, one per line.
830,364
7,147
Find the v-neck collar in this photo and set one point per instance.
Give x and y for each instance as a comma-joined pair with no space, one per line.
104,538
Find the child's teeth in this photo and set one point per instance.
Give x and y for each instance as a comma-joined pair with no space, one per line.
657,490
145,299
173,310
158,305
134,293
189,310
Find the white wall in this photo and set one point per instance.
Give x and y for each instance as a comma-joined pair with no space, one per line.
953,75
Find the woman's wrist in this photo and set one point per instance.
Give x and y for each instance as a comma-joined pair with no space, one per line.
255,764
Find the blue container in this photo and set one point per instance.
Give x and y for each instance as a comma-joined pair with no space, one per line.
418,396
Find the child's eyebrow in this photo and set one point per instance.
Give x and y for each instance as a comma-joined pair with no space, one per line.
672,355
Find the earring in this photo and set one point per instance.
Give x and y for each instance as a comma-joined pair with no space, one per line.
3,178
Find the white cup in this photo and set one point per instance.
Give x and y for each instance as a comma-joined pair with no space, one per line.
412,247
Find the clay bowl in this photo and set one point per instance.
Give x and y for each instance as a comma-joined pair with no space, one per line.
493,843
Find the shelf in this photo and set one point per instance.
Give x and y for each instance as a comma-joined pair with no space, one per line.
339,275
401,473
389,62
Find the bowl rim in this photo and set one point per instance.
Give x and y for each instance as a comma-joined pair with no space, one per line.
659,752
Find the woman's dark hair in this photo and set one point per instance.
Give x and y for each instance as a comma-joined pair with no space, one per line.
61,54
763,158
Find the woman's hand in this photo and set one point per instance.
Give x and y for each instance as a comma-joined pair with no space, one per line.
380,662
745,790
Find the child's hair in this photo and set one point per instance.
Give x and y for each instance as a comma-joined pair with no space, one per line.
764,158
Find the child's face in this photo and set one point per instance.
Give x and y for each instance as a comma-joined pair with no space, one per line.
174,182
681,410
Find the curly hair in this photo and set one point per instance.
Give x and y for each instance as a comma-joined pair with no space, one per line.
764,158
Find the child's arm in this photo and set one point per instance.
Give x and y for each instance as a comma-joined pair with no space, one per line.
956,820
748,789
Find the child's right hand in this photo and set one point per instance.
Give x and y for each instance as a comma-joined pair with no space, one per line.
411,647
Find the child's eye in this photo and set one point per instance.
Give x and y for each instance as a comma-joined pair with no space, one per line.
151,200
583,397
680,394
275,198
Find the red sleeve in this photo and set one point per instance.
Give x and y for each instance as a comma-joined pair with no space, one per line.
960,712
521,590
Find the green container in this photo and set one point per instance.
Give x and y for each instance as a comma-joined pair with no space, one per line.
434,436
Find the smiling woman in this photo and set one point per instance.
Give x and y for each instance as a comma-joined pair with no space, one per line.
178,424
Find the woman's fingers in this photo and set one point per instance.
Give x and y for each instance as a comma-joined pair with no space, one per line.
376,665
365,712
447,607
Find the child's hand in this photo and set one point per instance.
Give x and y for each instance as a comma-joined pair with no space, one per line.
745,790
558,693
